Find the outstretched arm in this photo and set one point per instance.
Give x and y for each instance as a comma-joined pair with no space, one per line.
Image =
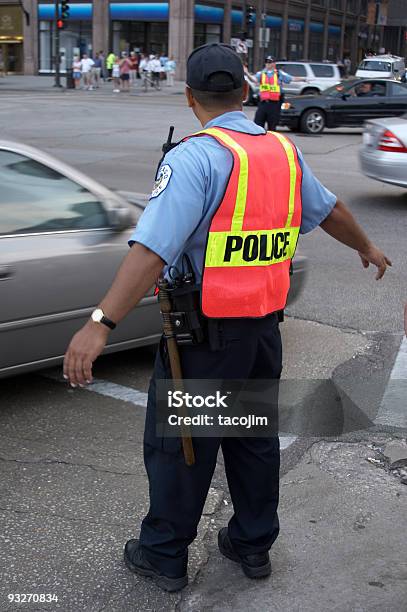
137,273
341,225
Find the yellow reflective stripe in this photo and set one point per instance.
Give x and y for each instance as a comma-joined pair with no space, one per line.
250,247
266,86
288,148
241,195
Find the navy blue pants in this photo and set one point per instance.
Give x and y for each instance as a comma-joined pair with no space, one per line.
268,112
252,349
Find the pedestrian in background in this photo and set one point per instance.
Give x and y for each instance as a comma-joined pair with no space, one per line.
125,67
110,60
86,67
347,64
97,70
170,70
116,75
133,59
154,66
77,71
104,73
143,69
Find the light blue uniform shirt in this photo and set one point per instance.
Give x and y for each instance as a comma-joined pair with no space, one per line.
194,176
283,77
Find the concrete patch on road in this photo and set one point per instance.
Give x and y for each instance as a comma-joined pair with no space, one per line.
312,350
342,544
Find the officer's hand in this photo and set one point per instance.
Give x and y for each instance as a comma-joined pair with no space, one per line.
83,349
377,258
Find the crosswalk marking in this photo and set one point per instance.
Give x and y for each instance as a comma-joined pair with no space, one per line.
393,409
136,397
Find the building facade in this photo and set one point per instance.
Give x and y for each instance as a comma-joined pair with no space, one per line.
289,29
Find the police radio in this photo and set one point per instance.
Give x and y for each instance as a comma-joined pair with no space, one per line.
167,146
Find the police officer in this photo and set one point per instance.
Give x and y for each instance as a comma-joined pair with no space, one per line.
233,198
270,81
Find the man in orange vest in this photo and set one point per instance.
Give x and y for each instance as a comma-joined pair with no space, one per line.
227,205
270,81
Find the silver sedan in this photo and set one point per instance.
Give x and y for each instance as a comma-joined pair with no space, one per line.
62,238
383,155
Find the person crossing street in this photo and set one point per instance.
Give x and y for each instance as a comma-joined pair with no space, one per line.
229,203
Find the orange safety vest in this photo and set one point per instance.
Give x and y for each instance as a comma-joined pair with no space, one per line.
269,87
253,233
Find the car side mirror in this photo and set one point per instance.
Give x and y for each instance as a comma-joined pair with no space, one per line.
120,218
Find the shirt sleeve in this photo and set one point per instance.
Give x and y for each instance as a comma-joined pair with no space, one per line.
176,204
285,77
258,75
317,200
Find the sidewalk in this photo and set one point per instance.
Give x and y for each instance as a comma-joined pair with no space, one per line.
46,83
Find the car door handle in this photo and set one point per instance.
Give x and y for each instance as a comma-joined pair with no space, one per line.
6,272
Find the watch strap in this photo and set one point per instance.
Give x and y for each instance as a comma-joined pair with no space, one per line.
107,322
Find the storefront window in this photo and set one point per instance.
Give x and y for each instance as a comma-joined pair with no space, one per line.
143,36
295,47
274,43
75,40
333,48
315,46
207,33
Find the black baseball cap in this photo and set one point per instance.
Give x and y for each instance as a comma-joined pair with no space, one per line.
270,58
215,58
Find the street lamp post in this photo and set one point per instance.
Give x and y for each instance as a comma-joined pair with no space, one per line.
376,18
57,49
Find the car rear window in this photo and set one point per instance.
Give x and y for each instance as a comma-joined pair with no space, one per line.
293,69
321,70
375,65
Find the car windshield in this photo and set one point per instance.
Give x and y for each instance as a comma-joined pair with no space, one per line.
375,65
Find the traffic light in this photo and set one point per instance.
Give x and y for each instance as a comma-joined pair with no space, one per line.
250,16
64,16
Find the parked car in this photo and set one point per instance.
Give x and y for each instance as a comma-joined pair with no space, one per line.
381,67
319,76
348,104
383,155
62,238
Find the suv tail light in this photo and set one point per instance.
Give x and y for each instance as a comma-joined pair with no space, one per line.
389,142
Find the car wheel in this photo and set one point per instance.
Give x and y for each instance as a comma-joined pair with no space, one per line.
313,121
310,91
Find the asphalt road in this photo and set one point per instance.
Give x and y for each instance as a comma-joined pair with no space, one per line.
72,482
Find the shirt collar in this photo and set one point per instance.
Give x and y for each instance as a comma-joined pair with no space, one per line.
226,119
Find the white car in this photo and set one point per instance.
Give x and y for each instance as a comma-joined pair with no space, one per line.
383,155
319,76
381,67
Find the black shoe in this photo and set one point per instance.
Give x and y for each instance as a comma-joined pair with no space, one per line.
134,560
254,566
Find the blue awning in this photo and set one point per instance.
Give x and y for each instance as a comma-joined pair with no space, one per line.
77,12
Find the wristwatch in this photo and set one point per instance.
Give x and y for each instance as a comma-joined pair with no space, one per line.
98,316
